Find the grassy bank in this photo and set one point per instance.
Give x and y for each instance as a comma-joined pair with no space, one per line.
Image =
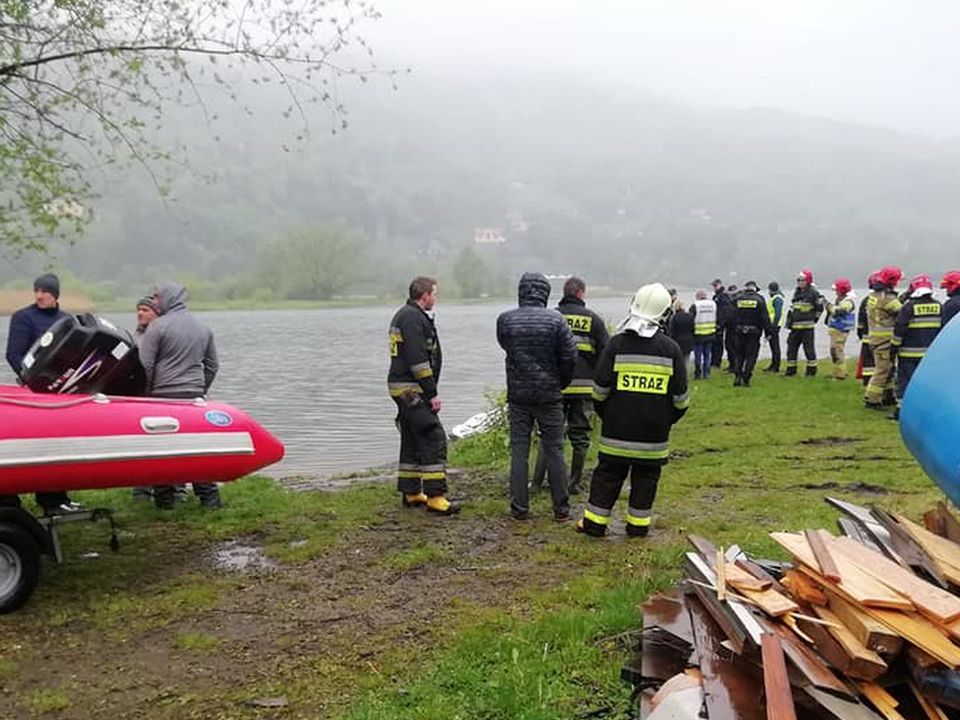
359,609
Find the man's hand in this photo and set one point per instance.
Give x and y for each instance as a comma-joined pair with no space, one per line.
435,404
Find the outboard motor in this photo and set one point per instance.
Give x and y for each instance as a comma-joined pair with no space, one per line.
84,354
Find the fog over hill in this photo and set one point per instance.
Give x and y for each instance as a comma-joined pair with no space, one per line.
594,178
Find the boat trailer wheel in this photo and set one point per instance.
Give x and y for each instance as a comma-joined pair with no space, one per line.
19,566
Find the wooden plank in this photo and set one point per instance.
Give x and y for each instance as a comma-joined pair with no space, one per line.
834,652
804,588
720,568
722,616
910,551
932,601
740,579
742,616
883,701
759,573
771,602
872,526
825,563
949,523
855,583
866,661
944,553
930,708
872,633
776,684
810,666
919,631
707,549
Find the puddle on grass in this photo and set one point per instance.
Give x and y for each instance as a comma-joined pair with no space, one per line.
235,555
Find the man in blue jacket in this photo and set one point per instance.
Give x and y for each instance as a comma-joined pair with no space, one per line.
27,325
541,354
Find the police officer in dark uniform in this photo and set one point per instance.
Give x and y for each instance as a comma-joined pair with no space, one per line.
415,361
591,335
750,321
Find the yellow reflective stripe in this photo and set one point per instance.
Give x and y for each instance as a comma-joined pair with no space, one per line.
600,393
680,402
398,389
804,325
408,474
704,328
585,347
638,520
577,390
634,448
625,367
421,374
594,518
924,324
912,353
433,475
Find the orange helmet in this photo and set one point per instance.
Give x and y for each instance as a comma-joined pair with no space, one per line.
842,286
951,281
889,275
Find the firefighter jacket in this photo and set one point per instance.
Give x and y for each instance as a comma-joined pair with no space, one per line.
805,308
862,323
750,313
724,308
640,391
590,332
704,320
951,307
918,323
541,350
882,308
842,315
777,310
415,356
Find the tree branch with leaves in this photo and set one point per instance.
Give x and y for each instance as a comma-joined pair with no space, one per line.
84,85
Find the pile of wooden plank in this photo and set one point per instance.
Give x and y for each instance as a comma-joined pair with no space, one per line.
864,625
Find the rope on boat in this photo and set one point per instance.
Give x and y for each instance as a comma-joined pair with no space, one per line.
99,398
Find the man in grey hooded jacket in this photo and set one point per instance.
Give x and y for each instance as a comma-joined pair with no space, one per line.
179,358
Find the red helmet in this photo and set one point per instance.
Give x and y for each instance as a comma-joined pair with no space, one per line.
872,278
806,275
889,275
842,286
951,281
921,281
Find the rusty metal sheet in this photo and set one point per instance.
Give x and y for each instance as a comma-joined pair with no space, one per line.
733,688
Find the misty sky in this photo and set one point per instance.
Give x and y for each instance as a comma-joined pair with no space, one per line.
882,62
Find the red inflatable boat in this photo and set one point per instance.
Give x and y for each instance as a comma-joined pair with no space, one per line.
80,442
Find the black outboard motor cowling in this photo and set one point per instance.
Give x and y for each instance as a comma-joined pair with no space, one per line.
84,354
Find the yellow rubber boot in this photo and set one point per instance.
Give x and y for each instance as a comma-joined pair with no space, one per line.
417,500
440,505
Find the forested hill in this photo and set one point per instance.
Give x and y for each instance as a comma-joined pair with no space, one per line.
601,180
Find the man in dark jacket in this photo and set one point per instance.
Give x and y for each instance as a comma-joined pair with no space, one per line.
750,322
27,325
590,332
541,355
415,363
724,313
179,358
640,388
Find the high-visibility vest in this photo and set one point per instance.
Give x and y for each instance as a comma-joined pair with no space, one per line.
772,310
705,320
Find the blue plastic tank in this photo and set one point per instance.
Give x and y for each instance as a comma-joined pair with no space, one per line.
930,413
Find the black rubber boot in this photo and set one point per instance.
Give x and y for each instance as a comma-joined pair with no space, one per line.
811,370
791,371
577,462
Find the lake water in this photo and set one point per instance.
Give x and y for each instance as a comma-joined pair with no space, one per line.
317,378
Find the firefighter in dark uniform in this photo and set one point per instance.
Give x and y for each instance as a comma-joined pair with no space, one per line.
415,361
750,321
805,307
918,323
640,391
590,332
951,283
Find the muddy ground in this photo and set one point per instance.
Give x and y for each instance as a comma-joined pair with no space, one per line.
274,640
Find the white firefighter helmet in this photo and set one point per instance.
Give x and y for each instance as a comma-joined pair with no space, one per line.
651,306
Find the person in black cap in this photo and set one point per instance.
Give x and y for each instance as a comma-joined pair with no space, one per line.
724,315
27,325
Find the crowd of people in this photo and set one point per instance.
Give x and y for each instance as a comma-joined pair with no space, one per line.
562,365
